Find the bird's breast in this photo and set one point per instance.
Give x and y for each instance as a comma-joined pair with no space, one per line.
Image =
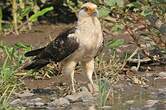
88,47
89,39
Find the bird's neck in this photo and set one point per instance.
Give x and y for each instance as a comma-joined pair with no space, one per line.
86,28
86,21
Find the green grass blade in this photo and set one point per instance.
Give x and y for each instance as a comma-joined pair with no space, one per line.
34,17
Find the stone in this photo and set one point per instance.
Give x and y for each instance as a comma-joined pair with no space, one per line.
162,74
83,96
24,101
51,108
33,102
30,104
84,89
129,101
73,98
148,74
134,68
60,102
16,102
106,107
92,107
150,103
36,100
24,94
161,93
39,104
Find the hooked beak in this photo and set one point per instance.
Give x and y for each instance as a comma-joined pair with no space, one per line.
92,12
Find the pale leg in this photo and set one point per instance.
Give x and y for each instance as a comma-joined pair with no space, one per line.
72,81
89,68
68,69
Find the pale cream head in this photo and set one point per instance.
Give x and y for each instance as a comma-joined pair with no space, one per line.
88,10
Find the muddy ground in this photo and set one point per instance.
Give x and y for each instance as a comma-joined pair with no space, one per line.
51,93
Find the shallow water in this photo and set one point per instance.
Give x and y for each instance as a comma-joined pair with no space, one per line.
124,95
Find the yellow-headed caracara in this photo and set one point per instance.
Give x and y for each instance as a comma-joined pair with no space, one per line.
79,44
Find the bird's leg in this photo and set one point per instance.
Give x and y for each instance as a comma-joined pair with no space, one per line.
68,70
89,68
72,81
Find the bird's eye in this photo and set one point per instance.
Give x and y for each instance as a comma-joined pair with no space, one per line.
84,8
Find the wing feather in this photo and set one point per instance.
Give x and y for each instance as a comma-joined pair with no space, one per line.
34,52
55,51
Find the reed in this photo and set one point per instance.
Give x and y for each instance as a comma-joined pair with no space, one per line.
14,14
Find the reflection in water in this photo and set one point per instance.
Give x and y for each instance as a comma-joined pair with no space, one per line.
93,107
137,97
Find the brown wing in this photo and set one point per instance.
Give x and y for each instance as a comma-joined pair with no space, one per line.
55,51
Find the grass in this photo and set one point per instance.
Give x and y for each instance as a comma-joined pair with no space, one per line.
104,91
13,58
4,98
107,73
10,72
23,15
108,67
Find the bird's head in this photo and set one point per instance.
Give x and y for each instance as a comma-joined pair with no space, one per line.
88,10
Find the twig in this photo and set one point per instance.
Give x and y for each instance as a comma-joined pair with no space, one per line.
133,54
138,65
131,33
19,27
139,60
109,19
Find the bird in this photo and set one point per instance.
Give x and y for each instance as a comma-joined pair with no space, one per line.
79,44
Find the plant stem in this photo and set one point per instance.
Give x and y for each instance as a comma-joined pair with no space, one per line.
1,15
29,24
14,12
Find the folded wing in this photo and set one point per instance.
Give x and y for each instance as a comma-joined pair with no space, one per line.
56,51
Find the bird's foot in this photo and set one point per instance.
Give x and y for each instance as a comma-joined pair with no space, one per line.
73,91
93,89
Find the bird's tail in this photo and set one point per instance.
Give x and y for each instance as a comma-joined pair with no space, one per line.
36,65
34,52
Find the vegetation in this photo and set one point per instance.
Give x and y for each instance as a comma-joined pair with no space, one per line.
22,13
144,21
13,58
4,105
